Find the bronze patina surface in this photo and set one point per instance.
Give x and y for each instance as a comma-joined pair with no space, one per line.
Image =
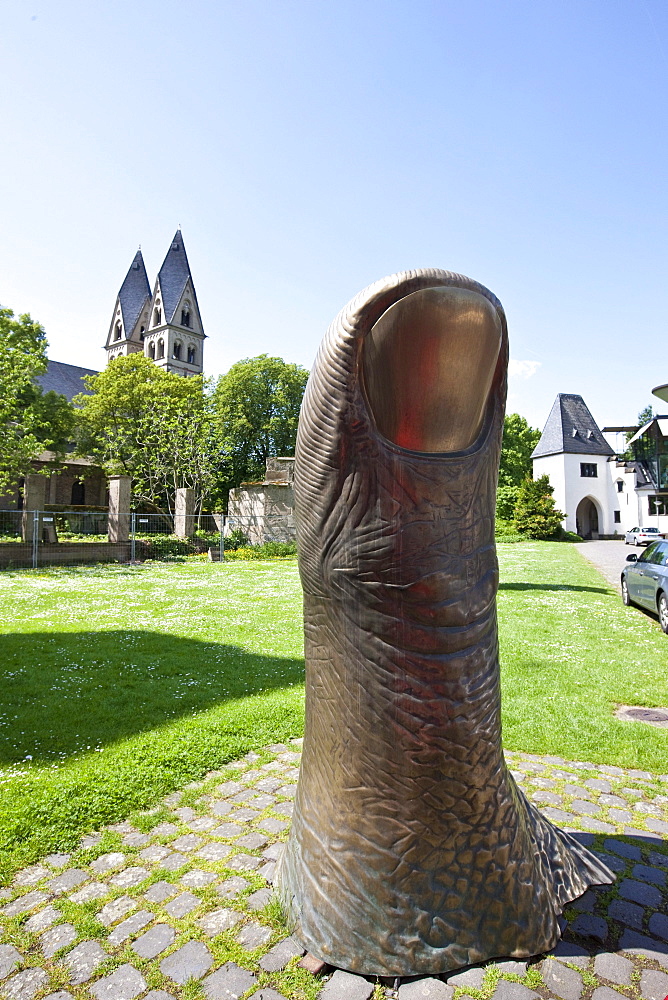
412,850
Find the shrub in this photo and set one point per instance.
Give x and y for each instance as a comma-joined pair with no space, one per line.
237,540
506,498
535,513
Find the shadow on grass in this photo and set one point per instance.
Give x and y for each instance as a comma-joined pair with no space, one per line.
554,586
69,692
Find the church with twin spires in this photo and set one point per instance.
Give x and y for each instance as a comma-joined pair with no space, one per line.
164,324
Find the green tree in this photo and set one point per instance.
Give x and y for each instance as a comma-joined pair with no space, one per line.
32,421
519,440
535,513
153,426
257,408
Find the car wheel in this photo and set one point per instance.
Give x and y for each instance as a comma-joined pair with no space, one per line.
663,612
625,593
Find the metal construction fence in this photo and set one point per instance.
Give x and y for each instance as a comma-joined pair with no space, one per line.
33,538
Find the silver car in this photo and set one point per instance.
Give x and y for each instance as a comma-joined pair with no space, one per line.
642,536
645,581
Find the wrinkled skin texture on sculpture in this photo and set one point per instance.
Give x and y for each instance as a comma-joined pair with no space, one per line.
412,850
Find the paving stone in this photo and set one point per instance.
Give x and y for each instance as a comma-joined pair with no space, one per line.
243,862
578,791
254,936
653,985
274,852
174,862
562,981
10,959
124,827
129,877
585,903
587,925
551,798
188,842
279,956
634,793
135,839
191,961
596,824
252,841
31,876
657,825
227,830
185,814
558,815
583,806
84,960
416,989
658,925
626,913
284,808
639,944
56,938
612,800
115,910
198,879
512,968
154,853
658,859
612,861
613,967
287,791
158,995
131,926
160,891
513,991
244,815
266,993
25,903
567,951
154,941
259,899
202,824
125,983
471,978
639,892
598,784
182,905
94,890
273,825
620,815
605,993
67,881
647,807
60,995
646,874
346,986
213,852
267,871
229,788
263,801
231,887
165,830
221,808
24,985
42,919
57,860
228,982
218,921
107,862
312,964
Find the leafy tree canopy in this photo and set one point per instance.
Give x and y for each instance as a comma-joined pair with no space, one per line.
32,421
257,408
151,425
519,440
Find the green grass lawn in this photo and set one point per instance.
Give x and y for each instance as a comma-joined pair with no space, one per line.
120,684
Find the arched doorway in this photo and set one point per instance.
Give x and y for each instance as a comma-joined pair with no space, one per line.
587,519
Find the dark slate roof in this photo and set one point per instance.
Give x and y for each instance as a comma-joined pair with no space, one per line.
571,428
134,292
173,276
65,379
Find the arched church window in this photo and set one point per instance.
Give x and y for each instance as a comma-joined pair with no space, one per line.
117,331
161,349
177,351
141,332
191,356
151,351
157,316
185,317
78,494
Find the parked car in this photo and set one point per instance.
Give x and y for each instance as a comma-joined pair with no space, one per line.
645,581
642,536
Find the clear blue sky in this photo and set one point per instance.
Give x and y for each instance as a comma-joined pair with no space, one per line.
310,147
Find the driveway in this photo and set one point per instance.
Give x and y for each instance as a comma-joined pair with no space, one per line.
609,558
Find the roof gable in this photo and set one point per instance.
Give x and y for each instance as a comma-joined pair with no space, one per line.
571,429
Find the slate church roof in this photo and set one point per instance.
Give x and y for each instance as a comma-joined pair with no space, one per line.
173,276
571,428
65,379
134,292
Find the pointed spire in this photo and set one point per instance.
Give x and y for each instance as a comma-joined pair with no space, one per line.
173,276
134,292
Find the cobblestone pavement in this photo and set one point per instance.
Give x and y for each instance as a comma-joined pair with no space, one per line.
178,903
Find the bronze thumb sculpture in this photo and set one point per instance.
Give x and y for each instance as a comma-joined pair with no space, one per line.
412,850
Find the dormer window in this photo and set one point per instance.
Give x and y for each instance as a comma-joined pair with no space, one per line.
574,432
176,355
161,350
118,331
191,356
185,317
157,316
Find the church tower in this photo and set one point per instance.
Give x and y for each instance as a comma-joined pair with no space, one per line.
167,325
174,338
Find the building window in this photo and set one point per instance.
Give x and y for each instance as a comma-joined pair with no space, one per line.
191,356
620,486
151,351
117,332
658,504
142,334
78,494
161,349
177,351
185,317
588,470
617,516
157,317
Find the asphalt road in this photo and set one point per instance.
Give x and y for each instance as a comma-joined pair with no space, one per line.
609,558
